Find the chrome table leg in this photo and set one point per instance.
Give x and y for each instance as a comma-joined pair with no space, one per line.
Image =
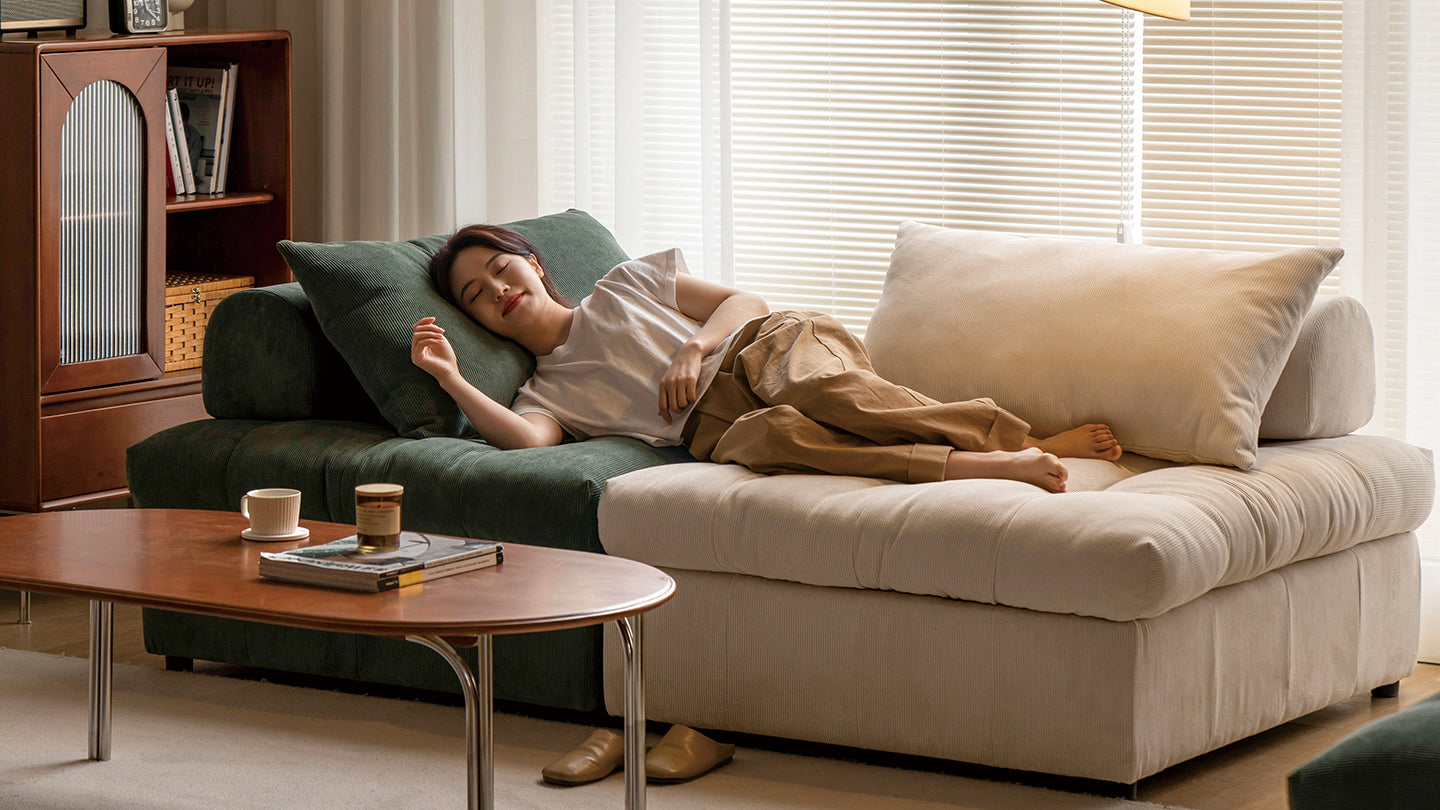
24,608
102,626
478,689
630,636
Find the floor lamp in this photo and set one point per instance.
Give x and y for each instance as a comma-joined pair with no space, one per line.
1174,9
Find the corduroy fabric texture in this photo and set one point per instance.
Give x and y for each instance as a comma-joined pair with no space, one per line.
1158,536
1391,763
1328,385
1023,689
544,496
1176,350
265,358
368,295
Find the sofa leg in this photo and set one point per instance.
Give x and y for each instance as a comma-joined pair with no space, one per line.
1389,690
176,663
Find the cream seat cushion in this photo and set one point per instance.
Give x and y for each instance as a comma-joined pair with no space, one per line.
1177,350
1130,540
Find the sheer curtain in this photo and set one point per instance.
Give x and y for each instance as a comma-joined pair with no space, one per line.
388,111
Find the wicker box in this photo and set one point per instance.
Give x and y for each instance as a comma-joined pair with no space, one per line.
189,300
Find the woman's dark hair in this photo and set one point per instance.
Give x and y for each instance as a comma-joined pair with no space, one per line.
495,237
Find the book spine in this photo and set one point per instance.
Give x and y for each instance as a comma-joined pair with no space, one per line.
213,180
172,166
181,146
394,581
232,73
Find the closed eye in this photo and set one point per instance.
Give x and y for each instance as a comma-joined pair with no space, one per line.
470,291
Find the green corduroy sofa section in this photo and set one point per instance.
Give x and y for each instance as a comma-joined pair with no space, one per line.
1390,764
288,410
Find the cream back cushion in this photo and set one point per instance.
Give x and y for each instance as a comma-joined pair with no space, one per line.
1328,386
1176,349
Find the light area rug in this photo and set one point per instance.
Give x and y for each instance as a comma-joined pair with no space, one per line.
185,740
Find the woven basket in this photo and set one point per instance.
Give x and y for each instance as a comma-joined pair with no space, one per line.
189,300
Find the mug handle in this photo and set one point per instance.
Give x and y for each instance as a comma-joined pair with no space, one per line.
245,506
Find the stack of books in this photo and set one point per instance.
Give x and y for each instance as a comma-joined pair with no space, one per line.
342,564
200,112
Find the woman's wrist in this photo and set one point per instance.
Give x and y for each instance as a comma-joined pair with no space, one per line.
694,347
451,380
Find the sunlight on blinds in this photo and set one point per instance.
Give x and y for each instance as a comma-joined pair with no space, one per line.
851,117
1241,126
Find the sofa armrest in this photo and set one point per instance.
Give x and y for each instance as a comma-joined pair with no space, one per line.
266,358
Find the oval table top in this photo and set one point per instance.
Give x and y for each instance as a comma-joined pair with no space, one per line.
195,561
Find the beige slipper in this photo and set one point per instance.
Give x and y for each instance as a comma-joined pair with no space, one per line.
599,756
683,754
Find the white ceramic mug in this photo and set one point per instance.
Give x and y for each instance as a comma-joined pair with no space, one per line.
272,512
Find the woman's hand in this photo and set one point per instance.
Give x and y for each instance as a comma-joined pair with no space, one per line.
431,351
681,383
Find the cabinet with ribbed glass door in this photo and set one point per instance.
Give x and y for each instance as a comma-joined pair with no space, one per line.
92,235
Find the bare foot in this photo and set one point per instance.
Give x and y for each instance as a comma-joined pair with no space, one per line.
1086,441
1031,465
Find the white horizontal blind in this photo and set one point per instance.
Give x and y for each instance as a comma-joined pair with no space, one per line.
849,117
1241,126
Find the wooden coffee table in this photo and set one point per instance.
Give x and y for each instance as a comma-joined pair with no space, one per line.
195,561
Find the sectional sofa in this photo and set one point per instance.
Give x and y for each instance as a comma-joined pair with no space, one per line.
1250,559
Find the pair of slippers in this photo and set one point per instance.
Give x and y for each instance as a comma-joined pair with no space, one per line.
681,755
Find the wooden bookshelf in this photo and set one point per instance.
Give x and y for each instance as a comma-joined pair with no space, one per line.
65,426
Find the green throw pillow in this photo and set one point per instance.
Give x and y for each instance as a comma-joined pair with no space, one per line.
368,295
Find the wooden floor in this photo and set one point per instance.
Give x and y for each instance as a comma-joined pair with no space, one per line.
1248,775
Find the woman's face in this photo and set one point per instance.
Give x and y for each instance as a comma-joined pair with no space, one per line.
501,291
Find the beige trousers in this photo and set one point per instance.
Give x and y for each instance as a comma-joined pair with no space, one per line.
796,393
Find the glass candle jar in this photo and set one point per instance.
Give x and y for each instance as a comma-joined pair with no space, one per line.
377,516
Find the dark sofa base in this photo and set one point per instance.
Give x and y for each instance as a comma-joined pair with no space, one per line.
559,669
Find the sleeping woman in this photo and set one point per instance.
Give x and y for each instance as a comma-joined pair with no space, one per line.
660,355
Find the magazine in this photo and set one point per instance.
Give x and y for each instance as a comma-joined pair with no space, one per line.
419,558
201,92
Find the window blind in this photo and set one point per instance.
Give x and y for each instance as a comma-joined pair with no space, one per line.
781,142
850,117
1240,126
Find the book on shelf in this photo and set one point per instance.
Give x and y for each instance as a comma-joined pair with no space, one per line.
232,72
172,166
185,181
202,92
419,558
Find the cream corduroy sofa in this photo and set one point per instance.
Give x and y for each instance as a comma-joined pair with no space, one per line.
1240,566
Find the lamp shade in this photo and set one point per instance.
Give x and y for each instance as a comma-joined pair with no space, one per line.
1174,9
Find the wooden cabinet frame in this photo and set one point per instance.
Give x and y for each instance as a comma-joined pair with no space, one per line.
63,76
64,428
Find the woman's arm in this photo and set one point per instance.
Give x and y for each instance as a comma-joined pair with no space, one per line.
722,310
498,425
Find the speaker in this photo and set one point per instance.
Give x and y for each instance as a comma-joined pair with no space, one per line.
41,15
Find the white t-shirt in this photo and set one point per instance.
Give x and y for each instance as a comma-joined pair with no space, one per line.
604,380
